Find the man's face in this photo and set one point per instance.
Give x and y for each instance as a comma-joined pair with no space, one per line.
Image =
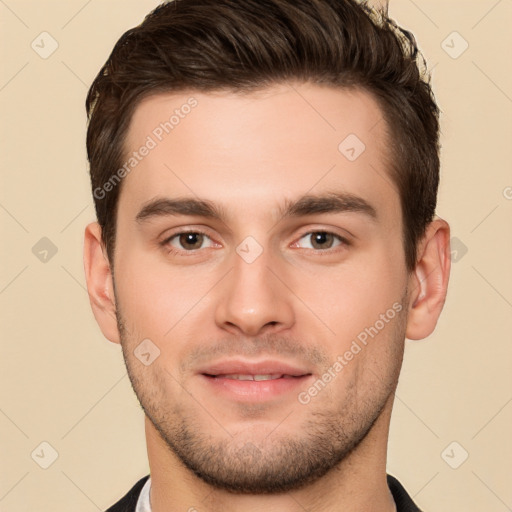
268,289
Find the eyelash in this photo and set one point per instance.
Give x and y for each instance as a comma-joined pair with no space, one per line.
172,250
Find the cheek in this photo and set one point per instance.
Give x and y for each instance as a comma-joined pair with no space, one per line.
158,300
349,299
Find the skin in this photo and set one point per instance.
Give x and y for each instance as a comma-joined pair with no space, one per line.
298,301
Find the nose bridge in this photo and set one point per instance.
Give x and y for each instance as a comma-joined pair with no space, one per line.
253,298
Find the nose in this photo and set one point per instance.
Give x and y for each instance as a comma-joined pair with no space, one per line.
254,299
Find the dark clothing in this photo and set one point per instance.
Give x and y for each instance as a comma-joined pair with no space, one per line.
403,501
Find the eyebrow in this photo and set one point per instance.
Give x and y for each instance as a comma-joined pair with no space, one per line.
331,202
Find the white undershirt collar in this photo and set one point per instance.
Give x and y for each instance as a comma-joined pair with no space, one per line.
143,503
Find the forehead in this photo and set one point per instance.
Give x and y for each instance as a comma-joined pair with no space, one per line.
248,149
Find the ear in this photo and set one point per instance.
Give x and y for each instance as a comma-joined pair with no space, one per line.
429,280
99,282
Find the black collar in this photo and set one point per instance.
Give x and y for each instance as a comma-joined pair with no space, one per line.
403,501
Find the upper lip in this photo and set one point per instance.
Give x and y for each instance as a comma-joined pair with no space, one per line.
241,367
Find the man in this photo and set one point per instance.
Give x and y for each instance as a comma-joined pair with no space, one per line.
265,176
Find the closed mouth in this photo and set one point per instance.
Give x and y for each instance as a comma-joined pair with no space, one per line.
257,377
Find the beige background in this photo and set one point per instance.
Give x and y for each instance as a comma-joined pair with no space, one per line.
62,383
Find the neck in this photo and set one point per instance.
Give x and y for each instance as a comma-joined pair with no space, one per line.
357,483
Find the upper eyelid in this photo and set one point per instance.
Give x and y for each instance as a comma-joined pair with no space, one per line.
181,231
328,231
343,239
168,238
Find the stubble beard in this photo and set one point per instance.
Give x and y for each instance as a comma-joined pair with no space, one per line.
278,462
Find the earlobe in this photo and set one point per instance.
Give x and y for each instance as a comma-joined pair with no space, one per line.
98,276
429,280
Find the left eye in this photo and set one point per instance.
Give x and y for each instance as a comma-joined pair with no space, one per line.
189,240
322,240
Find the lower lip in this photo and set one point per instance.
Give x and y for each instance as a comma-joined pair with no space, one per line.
252,390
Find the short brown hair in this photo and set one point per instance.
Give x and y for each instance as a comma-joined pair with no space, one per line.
245,45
